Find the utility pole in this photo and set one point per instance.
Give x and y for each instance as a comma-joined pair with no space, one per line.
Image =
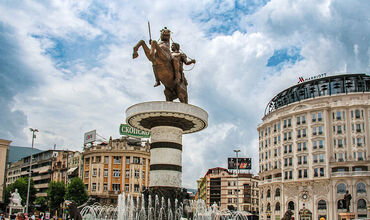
237,179
30,171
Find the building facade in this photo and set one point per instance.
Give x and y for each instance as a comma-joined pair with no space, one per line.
4,149
221,188
122,165
42,170
313,147
66,165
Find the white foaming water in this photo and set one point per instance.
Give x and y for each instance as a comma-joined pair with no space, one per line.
128,209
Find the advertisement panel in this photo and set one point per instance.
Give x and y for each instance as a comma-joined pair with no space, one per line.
126,129
90,137
243,162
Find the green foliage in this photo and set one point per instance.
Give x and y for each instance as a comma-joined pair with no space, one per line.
41,203
76,191
56,193
21,184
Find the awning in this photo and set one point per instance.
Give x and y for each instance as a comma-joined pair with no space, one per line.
71,170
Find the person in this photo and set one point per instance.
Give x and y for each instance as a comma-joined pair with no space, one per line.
178,59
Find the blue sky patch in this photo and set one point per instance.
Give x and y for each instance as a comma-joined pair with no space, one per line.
285,55
225,18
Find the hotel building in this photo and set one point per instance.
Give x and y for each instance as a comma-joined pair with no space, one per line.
314,146
122,165
219,186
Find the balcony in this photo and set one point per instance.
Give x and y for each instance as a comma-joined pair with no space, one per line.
350,173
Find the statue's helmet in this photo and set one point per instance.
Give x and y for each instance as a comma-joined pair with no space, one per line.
165,34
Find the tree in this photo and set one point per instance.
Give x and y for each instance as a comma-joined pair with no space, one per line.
76,191
41,204
21,184
56,193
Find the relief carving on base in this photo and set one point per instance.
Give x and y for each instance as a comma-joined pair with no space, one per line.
166,134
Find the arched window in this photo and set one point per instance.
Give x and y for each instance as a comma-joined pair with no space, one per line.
321,205
341,188
341,203
268,207
361,204
268,193
291,205
277,192
277,206
361,188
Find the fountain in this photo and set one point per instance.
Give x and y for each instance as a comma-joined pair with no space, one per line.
157,209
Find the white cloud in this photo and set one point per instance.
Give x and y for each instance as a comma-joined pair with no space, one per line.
230,80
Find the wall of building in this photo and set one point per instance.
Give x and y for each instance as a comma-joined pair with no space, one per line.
308,148
116,167
4,148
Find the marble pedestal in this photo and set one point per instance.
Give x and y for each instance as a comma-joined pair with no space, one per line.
167,122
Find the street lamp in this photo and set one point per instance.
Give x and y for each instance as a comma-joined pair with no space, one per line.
30,172
237,179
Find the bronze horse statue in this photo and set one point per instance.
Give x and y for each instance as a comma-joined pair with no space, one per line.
160,56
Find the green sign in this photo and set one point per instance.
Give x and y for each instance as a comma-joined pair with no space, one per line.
126,129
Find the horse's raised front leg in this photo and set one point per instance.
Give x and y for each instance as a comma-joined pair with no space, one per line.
145,48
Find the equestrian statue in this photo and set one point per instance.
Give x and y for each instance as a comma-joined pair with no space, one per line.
167,65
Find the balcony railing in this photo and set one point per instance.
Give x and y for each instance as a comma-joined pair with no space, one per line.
350,173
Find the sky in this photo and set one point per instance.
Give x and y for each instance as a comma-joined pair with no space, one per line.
66,67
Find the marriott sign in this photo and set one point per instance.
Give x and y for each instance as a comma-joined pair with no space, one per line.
301,79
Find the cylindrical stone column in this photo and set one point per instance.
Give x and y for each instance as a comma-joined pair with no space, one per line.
167,122
166,156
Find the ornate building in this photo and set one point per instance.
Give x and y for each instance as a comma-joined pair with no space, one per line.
122,165
4,149
220,186
313,147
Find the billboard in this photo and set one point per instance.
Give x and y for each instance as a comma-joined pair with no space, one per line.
126,129
244,163
90,137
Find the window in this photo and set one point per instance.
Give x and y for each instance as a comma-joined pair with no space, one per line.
136,188
127,160
105,172
127,173
321,205
137,174
268,193
116,173
361,188
359,142
106,159
303,119
322,173
127,187
105,187
277,206
277,192
316,172
361,204
313,117
116,187
339,117
298,120
319,116
321,144
339,129
143,176
341,188
117,160
86,174
359,156
289,122
357,113
93,187
358,128
291,205
136,160
94,172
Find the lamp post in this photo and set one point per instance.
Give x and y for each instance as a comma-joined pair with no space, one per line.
237,179
30,172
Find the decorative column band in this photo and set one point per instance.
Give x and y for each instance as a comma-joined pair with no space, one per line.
165,167
166,145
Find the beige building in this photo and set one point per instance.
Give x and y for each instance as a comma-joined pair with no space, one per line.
122,165
66,165
314,146
4,149
221,188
